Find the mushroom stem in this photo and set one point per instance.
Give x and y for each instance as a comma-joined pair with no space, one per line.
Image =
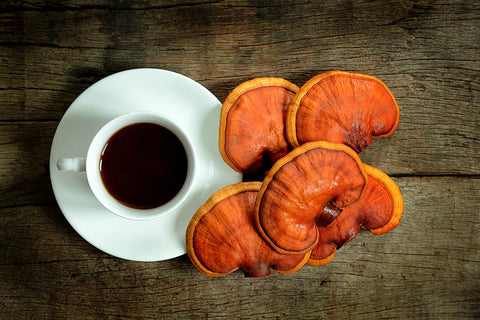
258,271
327,215
359,137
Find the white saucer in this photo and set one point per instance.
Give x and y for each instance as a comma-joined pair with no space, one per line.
195,109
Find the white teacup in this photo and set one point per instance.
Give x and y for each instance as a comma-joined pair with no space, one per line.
92,166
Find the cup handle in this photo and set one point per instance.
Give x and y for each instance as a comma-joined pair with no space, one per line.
72,164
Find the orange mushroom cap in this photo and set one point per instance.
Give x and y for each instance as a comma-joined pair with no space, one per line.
252,124
342,107
379,210
298,188
222,236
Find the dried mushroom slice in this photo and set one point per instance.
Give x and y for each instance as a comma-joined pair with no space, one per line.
252,124
379,210
305,188
222,236
342,107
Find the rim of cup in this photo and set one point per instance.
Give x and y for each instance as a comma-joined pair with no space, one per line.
93,165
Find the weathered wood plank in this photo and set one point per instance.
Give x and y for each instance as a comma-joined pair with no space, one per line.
42,5
238,36
425,268
24,162
438,144
26,150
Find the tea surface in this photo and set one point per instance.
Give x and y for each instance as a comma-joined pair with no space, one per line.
143,165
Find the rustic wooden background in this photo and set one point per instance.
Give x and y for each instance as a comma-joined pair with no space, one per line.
426,51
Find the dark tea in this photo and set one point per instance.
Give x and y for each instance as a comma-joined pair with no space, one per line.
144,165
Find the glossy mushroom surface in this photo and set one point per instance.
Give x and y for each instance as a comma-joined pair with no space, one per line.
378,210
222,236
342,107
252,124
298,188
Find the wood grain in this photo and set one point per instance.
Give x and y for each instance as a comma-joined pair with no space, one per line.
425,51
24,163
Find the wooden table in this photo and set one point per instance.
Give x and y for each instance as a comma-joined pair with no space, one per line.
427,52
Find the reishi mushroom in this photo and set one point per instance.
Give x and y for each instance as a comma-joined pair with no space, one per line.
378,210
252,124
222,236
342,107
306,187
316,193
